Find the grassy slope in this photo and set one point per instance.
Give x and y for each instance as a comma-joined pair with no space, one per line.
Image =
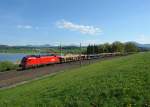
119,82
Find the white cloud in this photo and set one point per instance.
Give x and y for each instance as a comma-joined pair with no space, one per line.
24,26
143,39
27,27
84,29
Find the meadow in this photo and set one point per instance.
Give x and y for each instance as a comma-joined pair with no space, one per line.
119,82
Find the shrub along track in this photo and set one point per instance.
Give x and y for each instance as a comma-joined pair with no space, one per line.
13,78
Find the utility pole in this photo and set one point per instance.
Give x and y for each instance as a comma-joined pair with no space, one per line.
60,49
80,55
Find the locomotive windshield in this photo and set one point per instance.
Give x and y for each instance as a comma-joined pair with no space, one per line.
23,60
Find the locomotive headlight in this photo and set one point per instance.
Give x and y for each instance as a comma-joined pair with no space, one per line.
53,59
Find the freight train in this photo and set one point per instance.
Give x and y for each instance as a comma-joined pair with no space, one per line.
31,61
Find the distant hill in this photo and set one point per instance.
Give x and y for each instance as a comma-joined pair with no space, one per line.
40,46
3,46
144,45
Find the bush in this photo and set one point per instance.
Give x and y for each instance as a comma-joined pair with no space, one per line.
6,65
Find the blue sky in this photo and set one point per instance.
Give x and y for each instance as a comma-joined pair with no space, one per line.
73,21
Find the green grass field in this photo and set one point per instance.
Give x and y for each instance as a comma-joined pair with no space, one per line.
120,82
6,65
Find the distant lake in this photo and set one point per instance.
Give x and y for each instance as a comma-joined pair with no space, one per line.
13,57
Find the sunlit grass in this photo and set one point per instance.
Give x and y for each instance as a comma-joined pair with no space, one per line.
120,82
6,65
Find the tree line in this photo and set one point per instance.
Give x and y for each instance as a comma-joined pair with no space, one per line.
114,47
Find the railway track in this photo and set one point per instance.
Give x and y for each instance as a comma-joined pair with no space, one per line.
12,78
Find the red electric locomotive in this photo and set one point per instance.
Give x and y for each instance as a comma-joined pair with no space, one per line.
37,60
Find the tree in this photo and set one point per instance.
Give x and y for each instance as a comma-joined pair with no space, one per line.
101,48
89,49
130,47
96,49
92,49
117,47
107,48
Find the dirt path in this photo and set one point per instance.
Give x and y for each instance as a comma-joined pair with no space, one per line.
13,77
